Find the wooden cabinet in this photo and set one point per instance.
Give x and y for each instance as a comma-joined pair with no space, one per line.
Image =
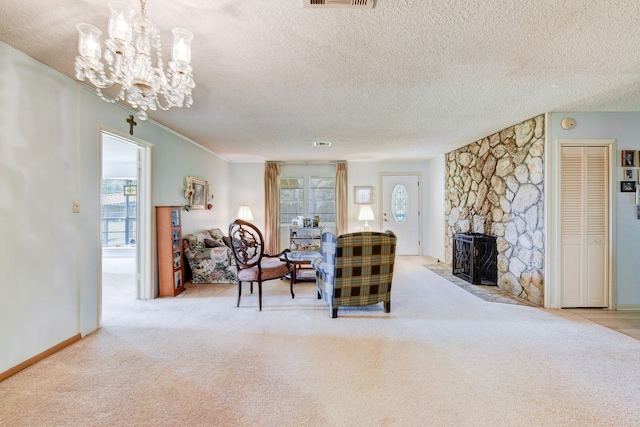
169,230
305,238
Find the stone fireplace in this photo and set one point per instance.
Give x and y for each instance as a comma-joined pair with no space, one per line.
495,186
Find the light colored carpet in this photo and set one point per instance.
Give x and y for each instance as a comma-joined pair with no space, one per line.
442,357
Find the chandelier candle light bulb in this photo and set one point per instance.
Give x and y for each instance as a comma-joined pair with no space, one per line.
128,56
182,45
120,21
89,41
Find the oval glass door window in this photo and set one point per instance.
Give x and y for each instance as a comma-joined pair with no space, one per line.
400,203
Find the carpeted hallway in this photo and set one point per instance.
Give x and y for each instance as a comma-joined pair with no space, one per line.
441,357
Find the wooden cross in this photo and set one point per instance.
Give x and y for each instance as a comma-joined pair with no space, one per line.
132,123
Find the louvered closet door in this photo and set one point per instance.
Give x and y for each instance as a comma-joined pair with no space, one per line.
584,226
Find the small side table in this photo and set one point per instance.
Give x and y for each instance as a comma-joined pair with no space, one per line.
300,261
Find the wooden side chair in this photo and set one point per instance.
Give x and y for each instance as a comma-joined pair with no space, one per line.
254,265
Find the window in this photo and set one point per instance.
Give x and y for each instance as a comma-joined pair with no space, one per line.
322,198
400,203
308,196
119,225
291,199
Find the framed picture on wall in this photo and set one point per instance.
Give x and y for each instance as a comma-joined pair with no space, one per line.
627,186
628,174
199,193
628,158
362,195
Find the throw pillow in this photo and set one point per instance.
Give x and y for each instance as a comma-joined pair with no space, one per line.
216,233
193,242
210,243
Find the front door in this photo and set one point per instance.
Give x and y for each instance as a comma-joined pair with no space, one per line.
401,211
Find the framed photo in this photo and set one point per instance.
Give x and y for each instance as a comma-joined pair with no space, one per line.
176,259
627,186
628,158
175,218
638,196
628,174
362,195
177,278
638,212
199,192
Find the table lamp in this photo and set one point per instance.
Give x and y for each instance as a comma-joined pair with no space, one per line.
365,213
244,213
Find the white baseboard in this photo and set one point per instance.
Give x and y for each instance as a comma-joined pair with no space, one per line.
621,307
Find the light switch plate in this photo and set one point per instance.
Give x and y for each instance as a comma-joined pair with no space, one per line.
76,206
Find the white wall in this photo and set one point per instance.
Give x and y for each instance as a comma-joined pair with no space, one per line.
625,129
247,188
370,174
49,156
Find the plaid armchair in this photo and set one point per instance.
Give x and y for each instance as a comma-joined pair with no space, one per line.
356,269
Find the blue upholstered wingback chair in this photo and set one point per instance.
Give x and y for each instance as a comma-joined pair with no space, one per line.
356,269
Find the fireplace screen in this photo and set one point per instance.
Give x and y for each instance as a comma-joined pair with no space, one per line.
475,258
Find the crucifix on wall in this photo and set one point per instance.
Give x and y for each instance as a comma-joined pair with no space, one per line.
132,123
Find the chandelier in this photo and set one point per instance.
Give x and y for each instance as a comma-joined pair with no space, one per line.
127,55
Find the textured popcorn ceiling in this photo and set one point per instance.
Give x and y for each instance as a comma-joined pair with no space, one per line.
406,80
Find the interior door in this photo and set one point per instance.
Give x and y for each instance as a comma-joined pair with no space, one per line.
401,211
584,226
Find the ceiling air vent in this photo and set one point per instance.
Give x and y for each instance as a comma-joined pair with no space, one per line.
352,4
322,143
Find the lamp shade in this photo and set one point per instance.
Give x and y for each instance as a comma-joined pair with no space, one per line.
365,213
244,213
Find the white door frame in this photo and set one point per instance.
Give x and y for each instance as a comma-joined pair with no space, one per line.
146,238
418,175
553,284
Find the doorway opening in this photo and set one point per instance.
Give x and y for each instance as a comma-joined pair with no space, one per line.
124,224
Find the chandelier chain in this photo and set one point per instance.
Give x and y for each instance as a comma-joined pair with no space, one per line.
143,3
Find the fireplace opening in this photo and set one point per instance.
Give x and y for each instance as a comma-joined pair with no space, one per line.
475,258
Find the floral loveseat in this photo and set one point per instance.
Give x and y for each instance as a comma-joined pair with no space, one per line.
209,257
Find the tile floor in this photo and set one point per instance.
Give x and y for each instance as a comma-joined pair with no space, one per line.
623,321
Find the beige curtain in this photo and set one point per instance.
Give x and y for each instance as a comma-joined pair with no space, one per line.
272,207
342,199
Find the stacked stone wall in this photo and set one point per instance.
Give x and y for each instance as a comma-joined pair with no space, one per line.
495,186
